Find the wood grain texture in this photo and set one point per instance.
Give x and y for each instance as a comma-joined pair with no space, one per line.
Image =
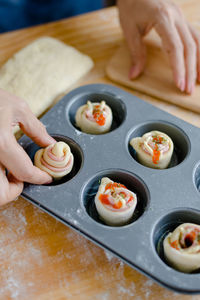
41,258
157,78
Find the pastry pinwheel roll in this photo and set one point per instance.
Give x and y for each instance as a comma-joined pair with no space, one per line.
182,247
56,159
154,149
94,118
115,204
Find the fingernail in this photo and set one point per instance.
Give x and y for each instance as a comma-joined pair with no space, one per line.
134,72
49,181
131,72
181,85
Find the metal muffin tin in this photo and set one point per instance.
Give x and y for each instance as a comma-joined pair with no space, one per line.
166,198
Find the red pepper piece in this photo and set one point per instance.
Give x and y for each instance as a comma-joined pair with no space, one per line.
104,199
156,154
130,199
175,245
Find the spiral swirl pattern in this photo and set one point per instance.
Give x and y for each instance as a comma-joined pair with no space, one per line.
182,247
94,117
114,202
154,149
56,159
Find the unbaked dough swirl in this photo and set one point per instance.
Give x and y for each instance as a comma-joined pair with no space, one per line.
114,202
56,159
182,247
94,118
154,149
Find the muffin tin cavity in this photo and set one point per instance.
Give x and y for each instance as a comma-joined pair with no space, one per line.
75,149
168,224
131,181
179,138
197,177
116,104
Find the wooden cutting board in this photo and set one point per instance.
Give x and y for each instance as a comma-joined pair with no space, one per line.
157,78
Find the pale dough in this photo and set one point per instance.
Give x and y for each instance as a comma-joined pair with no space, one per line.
154,149
115,204
56,159
86,121
182,247
43,70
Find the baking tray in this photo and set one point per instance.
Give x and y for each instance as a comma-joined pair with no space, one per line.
166,198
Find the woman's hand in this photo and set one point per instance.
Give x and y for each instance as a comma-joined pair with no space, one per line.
180,40
12,156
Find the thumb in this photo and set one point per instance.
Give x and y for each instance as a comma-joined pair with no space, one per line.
15,186
138,53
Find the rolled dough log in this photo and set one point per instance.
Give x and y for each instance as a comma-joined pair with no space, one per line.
115,204
154,149
56,159
94,118
182,247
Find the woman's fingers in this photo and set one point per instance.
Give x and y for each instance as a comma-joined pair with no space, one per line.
10,187
32,127
16,160
180,40
196,37
190,56
173,45
13,110
138,52
180,44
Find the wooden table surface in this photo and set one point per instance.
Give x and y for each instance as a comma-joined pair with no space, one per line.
41,258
